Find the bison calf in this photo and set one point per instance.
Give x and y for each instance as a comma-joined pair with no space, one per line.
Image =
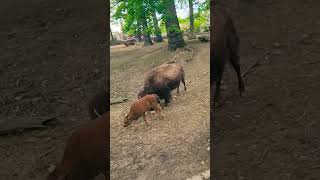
141,106
224,47
162,80
85,154
99,104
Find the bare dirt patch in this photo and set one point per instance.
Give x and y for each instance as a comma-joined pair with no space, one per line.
52,62
273,131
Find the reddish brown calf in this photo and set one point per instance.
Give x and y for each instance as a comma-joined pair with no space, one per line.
141,106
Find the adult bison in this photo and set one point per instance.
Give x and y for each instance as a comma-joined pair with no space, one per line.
224,47
162,80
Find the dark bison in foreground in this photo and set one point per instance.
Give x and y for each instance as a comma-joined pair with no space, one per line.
162,80
224,47
86,151
99,104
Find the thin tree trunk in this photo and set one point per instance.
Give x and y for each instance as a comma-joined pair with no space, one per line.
156,26
122,31
139,31
191,17
175,38
112,38
146,34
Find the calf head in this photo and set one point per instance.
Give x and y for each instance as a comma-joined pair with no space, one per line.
127,121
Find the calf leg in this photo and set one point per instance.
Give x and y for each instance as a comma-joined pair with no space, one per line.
135,126
145,119
158,110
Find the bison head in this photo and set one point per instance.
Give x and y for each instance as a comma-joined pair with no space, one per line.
141,94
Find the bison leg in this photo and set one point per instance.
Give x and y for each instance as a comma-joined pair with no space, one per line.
236,66
219,74
184,84
178,89
167,99
165,93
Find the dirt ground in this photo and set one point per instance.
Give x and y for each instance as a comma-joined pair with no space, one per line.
52,62
272,132
175,147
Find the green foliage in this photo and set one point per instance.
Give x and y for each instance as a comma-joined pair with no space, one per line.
162,27
184,24
130,12
201,21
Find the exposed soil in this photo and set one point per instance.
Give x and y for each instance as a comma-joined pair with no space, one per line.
272,132
175,147
52,62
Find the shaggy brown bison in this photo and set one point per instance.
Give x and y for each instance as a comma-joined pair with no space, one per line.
224,47
99,104
140,107
85,154
162,80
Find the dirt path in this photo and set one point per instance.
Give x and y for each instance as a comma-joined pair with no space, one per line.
172,148
273,131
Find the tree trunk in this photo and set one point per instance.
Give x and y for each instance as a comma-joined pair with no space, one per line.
122,30
139,31
146,34
191,18
112,38
175,38
156,26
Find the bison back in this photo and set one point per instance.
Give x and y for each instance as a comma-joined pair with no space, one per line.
164,74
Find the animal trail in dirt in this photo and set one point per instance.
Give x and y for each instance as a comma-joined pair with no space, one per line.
224,47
